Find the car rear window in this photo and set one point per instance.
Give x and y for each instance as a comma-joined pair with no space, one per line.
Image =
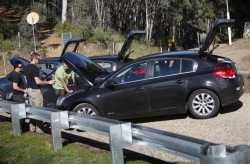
188,66
166,67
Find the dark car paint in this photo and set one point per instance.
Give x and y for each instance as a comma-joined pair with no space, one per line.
157,96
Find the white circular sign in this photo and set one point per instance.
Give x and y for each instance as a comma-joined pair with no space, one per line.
32,18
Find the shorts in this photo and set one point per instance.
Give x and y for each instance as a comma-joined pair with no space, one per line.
35,97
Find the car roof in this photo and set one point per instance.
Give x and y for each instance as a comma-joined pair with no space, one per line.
173,54
51,60
104,57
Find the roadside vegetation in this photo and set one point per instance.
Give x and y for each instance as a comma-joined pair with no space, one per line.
36,148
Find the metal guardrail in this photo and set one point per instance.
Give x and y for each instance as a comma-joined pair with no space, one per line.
123,134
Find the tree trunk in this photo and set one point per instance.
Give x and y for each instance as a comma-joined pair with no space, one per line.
64,10
99,7
4,64
147,20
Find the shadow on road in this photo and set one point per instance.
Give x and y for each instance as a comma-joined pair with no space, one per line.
231,108
227,109
159,118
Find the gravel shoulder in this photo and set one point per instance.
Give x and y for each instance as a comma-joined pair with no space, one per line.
230,128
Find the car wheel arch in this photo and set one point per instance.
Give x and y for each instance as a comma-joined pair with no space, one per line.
207,88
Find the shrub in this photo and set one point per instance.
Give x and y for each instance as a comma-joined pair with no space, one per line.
6,45
101,36
76,30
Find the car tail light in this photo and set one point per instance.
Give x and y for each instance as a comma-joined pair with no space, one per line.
227,73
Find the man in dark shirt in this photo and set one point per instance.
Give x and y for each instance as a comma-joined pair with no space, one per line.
17,83
34,82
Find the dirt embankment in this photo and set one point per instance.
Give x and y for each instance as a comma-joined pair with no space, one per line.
239,52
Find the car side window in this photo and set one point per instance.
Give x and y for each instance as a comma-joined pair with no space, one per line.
133,73
188,66
165,67
47,68
108,66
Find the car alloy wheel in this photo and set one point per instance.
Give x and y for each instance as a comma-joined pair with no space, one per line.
203,104
85,109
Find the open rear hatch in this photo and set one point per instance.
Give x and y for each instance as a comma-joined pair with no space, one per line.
18,60
73,42
84,67
212,33
124,54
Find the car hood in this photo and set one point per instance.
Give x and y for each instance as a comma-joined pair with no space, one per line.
212,33
126,45
84,67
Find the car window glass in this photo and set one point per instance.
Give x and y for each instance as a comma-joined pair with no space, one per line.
133,73
166,67
187,66
47,68
106,65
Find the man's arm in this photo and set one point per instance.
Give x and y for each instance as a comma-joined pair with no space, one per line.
64,85
17,88
43,82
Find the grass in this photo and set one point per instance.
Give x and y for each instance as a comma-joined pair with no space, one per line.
36,148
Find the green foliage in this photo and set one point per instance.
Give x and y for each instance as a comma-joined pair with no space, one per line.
101,36
5,44
117,37
76,30
37,148
141,48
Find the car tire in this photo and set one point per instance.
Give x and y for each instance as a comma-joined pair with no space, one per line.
203,104
85,109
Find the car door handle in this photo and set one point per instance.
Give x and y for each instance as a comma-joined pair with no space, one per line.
180,81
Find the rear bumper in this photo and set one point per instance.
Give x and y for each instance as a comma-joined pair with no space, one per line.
233,91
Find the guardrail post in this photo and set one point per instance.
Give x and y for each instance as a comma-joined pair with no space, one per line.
59,121
120,137
18,112
218,154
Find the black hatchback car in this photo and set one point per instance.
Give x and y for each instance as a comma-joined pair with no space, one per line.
165,83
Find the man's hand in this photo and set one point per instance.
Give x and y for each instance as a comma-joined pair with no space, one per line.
50,82
69,91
